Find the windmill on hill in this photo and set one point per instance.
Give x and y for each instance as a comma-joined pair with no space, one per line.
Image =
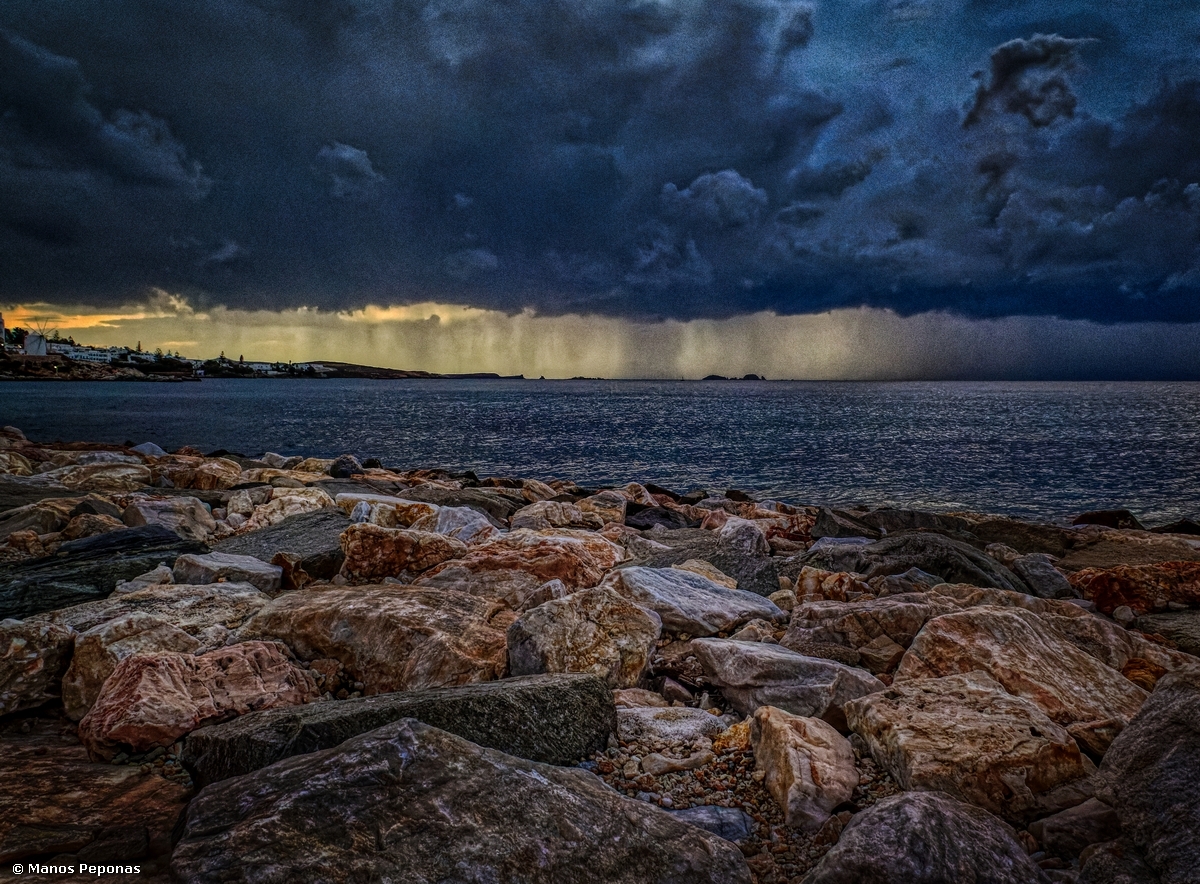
36,342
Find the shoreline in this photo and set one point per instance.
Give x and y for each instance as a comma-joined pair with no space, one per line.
772,690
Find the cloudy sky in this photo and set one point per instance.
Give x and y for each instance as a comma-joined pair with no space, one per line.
835,188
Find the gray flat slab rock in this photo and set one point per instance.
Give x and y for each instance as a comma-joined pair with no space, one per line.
315,537
87,569
552,718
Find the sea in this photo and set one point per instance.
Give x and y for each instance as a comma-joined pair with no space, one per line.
1034,450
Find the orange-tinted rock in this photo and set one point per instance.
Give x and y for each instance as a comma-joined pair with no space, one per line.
62,803
813,584
391,638
554,514
1144,588
89,525
101,648
594,630
154,699
286,502
186,516
216,474
33,657
1016,648
373,552
809,767
102,477
966,736
577,558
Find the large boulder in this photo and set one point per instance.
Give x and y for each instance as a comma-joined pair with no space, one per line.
593,630
1151,777
966,736
497,503
91,568
33,658
409,802
856,624
1031,660
373,552
519,590
102,477
154,699
1143,588
557,719
98,651
314,539
186,516
1068,832
554,514
286,503
688,602
42,517
1181,627
61,804
391,637
1039,574
926,838
952,560
753,674
577,558
807,766
753,569
207,612
220,566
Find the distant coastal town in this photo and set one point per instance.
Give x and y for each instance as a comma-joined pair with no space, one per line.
45,355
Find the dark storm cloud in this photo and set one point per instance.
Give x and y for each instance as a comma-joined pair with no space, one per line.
633,157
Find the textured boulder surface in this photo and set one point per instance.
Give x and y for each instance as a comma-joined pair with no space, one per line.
593,630
754,571
668,725
86,569
808,767
57,802
186,516
222,566
577,558
952,560
1181,627
1151,777
391,638
207,612
557,719
373,552
408,802
926,838
688,602
1143,588
965,736
1016,648
101,648
33,658
315,538
753,674
1069,831
154,699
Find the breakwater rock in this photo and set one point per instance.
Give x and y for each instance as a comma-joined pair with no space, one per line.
216,665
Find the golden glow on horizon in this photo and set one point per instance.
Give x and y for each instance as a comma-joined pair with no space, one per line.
850,344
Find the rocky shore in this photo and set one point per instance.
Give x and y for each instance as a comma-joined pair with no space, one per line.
217,667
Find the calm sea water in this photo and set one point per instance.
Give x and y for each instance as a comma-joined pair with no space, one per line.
1046,450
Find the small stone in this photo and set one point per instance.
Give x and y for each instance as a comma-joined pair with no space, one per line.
1124,615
